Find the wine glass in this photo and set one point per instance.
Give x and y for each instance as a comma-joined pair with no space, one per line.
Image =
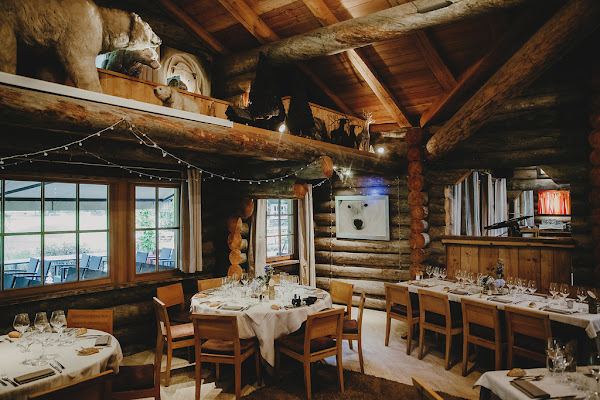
41,321
244,278
553,289
532,286
510,283
581,294
21,323
564,291
429,270
58,321
443,273
458,276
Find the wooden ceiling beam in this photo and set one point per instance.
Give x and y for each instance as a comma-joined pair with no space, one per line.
194,27
353,33
260,30
360,65
434,61
554,39
504,47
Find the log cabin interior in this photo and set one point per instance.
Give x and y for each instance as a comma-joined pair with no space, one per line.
389,157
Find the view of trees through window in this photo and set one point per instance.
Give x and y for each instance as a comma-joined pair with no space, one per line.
280,228
53,232
157,228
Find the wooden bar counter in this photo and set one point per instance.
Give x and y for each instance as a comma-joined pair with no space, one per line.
542,259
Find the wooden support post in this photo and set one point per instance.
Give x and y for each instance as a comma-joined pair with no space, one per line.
594,198
419,238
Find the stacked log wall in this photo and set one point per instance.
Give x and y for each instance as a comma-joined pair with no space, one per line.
545,127
367,264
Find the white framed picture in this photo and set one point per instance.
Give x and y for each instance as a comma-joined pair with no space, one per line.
362,217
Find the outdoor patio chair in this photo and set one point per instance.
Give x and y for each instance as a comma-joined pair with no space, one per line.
32,268
21,282
9,280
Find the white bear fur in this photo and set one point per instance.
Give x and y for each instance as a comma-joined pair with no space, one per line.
75,30
170,97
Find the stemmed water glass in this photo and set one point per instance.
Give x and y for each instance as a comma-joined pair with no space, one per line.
429,270
21,323
581,294
553,289
41,323
58,321
532,287
443,273
564,292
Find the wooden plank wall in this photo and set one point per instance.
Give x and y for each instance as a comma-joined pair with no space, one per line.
542,264
365,263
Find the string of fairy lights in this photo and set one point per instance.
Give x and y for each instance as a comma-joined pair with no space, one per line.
145,140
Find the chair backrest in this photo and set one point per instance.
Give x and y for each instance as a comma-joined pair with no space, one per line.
71,274
101,320
141,256
396,294
162,318
32,266
324,323
165,252
480,313
97,387
423,391
361,309
341,293
527,322
434,302
206,284
85,259
215,326
21,282
47,264
9,280
171,295
95,262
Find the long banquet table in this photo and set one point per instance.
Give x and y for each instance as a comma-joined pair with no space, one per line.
257,318
578,316
76,367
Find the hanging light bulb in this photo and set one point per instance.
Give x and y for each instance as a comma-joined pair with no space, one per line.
381,150
282,128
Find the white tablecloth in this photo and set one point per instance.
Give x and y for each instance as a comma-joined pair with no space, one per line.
582,319
260,320
499,383
76,367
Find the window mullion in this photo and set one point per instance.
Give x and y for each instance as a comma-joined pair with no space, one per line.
42,233
77,266
156,249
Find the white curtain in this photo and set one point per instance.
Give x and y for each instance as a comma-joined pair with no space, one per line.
191,223
476,203
500,200
523,206
306,240
257,253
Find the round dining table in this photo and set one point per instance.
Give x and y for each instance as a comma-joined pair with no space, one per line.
68,365
266,320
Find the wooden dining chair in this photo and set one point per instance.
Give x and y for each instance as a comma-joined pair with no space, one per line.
172,296
205,284
97,387
173,336
351,330
315,343
217,340
139,381
435,315
398,305
481,327
527,334
101,320
424,392
341,293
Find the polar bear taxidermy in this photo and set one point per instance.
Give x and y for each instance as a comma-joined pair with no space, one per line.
170,97
75,31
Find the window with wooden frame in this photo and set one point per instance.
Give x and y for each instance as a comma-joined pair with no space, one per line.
281,230
156,228
53,232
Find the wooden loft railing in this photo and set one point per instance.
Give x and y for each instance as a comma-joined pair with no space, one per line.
46,106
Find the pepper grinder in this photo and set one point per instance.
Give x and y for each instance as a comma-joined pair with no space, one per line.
592,301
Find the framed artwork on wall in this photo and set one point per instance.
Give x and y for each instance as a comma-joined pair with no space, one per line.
362,217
